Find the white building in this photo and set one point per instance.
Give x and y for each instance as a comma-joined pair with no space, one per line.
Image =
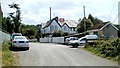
119,12
60,24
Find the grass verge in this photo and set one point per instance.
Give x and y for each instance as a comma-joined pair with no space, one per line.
8,58
95,51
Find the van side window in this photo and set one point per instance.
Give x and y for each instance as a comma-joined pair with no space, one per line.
83,39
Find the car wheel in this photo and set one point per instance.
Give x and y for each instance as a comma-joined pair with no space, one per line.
76,45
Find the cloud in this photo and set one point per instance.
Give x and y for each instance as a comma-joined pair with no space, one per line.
37,11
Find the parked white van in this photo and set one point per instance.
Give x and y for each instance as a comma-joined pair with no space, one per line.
82,40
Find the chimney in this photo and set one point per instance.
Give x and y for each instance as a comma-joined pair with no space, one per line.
61,20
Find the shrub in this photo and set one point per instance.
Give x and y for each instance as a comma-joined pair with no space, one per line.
109,48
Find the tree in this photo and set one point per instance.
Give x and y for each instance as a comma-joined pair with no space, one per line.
91,18
15,16
65,34
94,20
80,26
97,21
38,32
4,24
57,34
29,33
7,24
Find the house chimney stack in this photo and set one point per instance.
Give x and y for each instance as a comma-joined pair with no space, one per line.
61,19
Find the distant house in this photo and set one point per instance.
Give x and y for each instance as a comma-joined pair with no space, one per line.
69,26
105,29
59,24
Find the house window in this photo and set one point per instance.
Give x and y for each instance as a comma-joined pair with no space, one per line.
73,29
55,27
51,28
65,28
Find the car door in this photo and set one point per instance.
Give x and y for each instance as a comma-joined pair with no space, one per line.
82,41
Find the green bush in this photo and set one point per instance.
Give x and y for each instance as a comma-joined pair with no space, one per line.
107,48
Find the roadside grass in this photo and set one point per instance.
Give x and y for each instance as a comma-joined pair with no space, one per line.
8,58
109,49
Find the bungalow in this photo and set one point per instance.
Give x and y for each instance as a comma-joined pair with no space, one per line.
60,24
105,29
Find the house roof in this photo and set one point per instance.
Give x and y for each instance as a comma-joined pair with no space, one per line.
48,22
97,26
100,26
70,23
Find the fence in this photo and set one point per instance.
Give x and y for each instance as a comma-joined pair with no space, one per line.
52,40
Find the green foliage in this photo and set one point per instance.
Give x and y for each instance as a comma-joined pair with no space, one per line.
109,49
7,56
65,34
31,31
80,26
15,16
94,20
7,24
57,34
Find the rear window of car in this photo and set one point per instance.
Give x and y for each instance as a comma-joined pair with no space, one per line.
74,39
13,35
20,37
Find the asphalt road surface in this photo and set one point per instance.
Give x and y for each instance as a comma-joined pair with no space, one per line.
48,54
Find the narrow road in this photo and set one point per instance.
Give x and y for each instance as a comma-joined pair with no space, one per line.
48,54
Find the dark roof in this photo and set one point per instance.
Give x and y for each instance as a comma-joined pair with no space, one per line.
98,26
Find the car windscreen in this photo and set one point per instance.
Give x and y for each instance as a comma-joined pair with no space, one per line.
74,39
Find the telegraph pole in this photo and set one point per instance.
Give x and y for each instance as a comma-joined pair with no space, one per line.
50,14
50,26
85,26
84,19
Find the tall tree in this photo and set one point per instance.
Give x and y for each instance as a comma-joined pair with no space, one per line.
91,18
94,20
80,26
9,25
15,16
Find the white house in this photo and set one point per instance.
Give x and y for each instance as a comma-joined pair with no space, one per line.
59,24
69,26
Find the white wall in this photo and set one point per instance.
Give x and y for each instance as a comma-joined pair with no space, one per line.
58,39
4,37
53,39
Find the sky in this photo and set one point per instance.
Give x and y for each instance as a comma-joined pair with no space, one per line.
35,12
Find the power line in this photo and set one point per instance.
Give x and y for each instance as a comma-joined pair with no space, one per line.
116,17
113,7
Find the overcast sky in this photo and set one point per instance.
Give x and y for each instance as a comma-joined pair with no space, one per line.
37,11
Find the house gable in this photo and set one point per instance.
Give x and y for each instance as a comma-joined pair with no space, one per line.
109,24
49,23
65,28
